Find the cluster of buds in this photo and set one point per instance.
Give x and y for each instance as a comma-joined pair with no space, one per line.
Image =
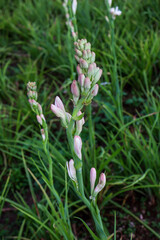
101,184
69,21
59,110
113,11
36,107
88,73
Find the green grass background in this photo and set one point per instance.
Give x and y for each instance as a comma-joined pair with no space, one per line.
36,46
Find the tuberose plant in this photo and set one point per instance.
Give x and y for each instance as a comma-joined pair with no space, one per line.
83,91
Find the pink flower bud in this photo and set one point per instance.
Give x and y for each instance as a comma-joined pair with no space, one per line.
68,115
93,57
85,55
43,134
87,84
42,117
58,103
87,46
91,69
77,58
75,89
39,109
57,111
78,53
79,70
101,184
74,34
71,170
81,78
97,76
78,146
83,63
33,102
89,55
92,178
79,124
39,120
95,90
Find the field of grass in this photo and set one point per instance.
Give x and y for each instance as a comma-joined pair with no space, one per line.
123,136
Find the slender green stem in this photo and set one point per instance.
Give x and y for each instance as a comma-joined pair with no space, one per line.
91,135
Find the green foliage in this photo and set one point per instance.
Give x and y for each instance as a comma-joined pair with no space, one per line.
35,46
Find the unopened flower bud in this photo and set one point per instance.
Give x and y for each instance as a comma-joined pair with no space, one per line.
71,170
92,179
78,146
79,70
78,53
97,76
74,34
77,58
91,69
85,55
87,46
95,90
101,184
31,86
42,117
57,111
39,109
79,124
87,83
81,78
74,6
39,119
93,57
68,115
83,63
43,134
58,103
75,89
89,55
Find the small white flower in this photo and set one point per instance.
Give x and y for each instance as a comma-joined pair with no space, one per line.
115,12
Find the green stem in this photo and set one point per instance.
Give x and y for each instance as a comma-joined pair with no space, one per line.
91,135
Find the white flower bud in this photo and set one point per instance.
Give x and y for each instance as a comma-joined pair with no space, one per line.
78,146
79,124
95,90
87,84
71,170
75,89
79,70
57,111
74,6
39,119
97,76
58,103
43,134
83,63
92,179
101,184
